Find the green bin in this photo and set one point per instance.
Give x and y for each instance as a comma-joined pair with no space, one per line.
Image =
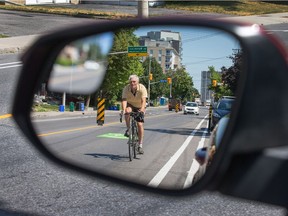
72,107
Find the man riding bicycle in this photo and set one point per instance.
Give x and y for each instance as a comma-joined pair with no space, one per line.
134,100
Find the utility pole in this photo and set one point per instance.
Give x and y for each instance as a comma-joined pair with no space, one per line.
143,9
149,83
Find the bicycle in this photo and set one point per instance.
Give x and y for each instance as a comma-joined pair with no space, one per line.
133,135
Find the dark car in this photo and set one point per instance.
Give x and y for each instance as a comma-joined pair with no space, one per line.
222,108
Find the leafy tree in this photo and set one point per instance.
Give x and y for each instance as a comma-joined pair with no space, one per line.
120,66
157,89
218,89
182,84
230,76
227,78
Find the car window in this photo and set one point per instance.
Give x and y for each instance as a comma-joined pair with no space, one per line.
225,104
191,104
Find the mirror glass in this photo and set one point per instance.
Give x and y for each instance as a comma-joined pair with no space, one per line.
184,72
81,65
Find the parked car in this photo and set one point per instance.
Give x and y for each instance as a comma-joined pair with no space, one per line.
191,108
222,108
173,102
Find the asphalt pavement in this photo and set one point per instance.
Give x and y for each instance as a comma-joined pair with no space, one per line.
20,43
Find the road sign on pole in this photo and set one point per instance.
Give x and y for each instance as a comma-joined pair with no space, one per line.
137,51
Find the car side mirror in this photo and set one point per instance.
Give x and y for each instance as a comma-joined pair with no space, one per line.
89,69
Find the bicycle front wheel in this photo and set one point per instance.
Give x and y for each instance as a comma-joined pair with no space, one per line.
130,144
134,139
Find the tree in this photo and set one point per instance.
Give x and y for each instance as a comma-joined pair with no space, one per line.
120,66
157,89
182,84
218,89
227,78
231,75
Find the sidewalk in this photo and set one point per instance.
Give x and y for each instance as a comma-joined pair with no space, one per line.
41,115
18,44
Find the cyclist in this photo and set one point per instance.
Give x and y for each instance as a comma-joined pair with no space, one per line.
134,99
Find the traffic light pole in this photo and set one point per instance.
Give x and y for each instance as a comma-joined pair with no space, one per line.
149,83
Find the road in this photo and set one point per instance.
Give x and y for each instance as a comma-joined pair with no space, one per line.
104,148
32,185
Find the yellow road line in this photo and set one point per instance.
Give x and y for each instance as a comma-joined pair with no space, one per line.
66,131
85,128
5,116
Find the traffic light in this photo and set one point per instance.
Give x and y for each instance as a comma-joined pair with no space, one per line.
169,80
214,83
150,76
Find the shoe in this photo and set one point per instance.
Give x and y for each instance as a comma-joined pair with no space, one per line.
140,150
126,133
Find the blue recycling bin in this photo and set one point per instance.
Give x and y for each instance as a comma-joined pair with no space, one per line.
61,108
162,101
82,107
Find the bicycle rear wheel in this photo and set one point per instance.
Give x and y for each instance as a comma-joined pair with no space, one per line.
134,139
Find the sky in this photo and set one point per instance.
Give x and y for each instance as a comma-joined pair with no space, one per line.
202,47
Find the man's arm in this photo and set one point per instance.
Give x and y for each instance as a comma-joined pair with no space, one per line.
124,99
124,104
143,99
143,104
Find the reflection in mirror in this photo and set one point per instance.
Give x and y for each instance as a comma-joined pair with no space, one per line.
81,66
185,70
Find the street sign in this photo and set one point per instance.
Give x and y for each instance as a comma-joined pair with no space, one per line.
163,81
137,51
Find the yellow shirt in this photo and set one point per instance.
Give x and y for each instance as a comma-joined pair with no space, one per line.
134,100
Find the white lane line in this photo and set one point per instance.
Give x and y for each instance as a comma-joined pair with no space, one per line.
195,165
11,66
166,168
19,62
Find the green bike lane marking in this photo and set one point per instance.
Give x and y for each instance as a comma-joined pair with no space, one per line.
113,136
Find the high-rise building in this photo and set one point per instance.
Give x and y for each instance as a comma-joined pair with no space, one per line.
165,46
206,94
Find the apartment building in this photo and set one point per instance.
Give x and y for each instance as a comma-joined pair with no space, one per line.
165,46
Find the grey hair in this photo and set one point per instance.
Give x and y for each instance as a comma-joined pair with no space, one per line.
134,77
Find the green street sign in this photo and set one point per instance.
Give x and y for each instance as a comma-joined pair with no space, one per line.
137,51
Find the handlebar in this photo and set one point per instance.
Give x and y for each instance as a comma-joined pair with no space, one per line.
131,114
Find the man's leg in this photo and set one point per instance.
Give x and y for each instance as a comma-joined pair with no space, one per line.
140,136
127,120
